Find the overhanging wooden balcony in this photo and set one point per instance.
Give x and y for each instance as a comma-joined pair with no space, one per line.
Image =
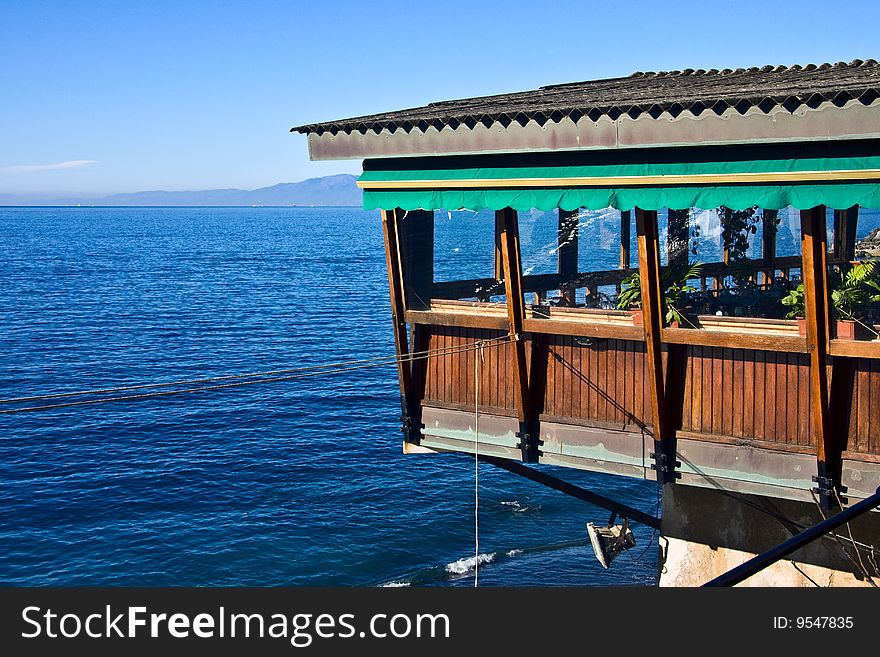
737,392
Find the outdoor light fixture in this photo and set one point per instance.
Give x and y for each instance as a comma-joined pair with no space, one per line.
610,541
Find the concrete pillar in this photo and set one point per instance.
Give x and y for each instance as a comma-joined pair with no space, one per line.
706,532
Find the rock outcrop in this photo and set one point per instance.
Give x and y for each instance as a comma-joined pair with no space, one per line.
869,246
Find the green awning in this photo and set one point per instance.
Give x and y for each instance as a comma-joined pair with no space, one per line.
836,182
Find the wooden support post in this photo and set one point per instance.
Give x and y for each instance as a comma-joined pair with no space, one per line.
844,244
814,272
769,230
625,223
499,258
409,406
836,248
724,219
415,235
567,252
652,312
529,436
677,240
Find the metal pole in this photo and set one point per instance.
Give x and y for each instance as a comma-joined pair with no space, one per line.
796,542
575,491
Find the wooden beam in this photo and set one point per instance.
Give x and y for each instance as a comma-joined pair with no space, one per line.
625,224
731,340
815,276
541,282
415,234
845,224
855,348
653,311
678,239
769,231
462,319
409,405
510,251
567,252
584,329
724,220
498,270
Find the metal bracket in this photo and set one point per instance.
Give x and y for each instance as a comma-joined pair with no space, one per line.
529,443
825,491
412,431
661,466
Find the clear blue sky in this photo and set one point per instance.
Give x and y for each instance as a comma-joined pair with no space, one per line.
101,97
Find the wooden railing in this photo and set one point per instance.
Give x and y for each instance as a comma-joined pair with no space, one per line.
725,394
543,283
742,379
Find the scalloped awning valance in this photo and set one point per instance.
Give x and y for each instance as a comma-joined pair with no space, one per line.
805,182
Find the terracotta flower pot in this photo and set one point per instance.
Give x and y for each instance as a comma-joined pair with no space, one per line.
848,329
637,317
802,325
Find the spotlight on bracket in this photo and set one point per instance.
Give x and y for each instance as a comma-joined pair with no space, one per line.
611,540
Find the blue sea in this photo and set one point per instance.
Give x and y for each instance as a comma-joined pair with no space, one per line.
290,483
293,483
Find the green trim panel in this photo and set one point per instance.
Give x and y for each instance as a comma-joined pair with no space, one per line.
838,195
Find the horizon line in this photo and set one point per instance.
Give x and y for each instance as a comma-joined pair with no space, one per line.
88,205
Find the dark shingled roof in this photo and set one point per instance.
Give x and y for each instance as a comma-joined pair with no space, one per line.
673,92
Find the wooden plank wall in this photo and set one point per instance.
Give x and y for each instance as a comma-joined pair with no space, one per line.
864,416
598,382
449,378
732,393
749,394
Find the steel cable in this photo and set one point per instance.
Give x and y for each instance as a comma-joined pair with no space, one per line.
251,379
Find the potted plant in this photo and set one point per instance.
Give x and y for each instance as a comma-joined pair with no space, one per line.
795,300
857,286
674,291
849,298
630,298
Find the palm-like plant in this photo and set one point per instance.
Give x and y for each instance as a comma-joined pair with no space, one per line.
858,285
853,292
674,290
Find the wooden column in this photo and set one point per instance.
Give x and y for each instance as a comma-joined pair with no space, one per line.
844,243
653,312
769,230
724,219
567,252
816,306
415,235
625,223
529,438
409,405
677,238
499,258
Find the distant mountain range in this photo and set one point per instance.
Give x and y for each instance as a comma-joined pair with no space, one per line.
327,190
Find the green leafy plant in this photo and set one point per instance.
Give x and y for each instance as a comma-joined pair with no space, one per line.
675,289
853,292
630,296
858,286
794,300
737,225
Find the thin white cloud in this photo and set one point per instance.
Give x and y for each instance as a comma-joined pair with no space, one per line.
31,168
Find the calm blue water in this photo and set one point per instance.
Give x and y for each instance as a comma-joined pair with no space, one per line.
291,483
